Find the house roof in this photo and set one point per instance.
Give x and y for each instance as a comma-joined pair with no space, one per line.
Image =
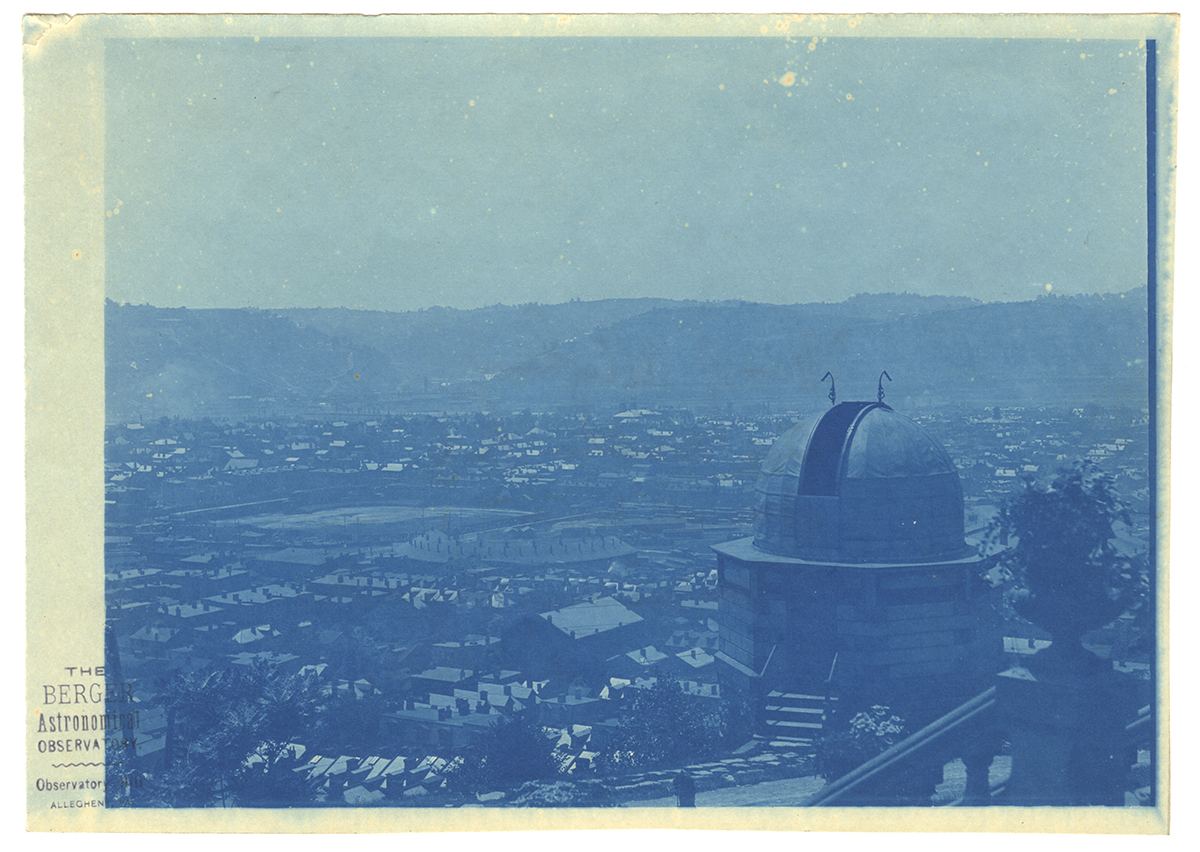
647,656
696,657
296,556
588,619
445,674
254,634
156,634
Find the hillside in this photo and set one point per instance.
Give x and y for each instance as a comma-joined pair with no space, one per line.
445,344
238,362
1049,350
180,362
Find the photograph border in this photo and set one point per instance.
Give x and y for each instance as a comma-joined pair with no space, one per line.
64,372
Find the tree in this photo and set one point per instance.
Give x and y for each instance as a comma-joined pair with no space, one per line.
515,750
223,723
666,727
348,723
1068,575
266,779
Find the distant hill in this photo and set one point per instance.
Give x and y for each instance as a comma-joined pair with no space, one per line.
180,362
1049,350
649,351
446,344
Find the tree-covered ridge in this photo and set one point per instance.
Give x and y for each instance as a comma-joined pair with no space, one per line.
1050,350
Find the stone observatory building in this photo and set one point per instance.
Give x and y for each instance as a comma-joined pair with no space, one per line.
857,586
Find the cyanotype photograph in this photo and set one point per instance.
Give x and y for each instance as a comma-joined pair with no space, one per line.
649,414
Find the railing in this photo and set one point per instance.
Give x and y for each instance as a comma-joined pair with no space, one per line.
879,767
1144,717
828,692
959,720
767,664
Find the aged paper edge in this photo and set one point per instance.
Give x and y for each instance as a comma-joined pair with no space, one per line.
64,256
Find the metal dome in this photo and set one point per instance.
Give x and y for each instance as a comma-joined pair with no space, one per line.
859,483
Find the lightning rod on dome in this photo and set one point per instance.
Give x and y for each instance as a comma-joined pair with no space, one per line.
882,376
832,388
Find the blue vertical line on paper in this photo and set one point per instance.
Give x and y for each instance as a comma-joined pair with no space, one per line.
1152,341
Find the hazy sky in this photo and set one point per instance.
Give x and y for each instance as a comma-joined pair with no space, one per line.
402,173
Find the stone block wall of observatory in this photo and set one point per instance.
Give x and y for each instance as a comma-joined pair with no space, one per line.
884,622
907,641
737,634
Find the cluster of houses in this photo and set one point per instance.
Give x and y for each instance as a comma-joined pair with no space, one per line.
440,647
674,449
994,449
668,451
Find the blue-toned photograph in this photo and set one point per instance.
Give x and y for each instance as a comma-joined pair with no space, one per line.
632,422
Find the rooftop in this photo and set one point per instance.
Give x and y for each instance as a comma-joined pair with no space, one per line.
588,619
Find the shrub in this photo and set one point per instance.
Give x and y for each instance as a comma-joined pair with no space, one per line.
867,735
589,793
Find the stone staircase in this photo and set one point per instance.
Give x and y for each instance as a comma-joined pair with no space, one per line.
793,718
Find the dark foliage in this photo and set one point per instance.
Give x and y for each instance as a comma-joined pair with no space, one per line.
267,779
230,731
515,751
348,724
666,727
1068,575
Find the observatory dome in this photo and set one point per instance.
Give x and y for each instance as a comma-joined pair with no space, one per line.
859,483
